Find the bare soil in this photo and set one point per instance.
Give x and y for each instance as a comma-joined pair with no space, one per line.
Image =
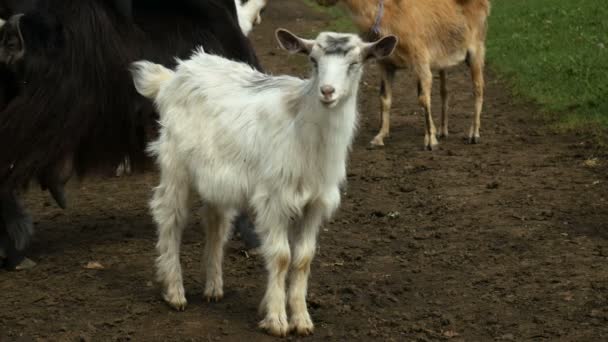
505,240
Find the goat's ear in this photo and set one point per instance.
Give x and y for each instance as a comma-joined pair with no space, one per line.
12,46
381,48
292,43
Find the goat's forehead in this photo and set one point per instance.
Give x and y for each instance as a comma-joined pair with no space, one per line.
337,43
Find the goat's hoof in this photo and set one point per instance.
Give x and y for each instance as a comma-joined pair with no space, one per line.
216,296
442,135
430,142
301,324
213,291
26,264
275,325
177,302
377,142
431,147
474,139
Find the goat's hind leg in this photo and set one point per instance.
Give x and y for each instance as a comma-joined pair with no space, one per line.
476,62
170,211
443,78
386,97
425,83
218,224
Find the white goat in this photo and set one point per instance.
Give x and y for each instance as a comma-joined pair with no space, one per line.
249,13
276,146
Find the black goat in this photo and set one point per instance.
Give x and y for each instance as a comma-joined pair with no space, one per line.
67,103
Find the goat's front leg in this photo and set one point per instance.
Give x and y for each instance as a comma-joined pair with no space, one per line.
170,211
16,231
386,97
272,227
218,223
425,83
304,245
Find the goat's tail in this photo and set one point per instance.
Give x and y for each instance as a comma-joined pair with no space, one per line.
148,77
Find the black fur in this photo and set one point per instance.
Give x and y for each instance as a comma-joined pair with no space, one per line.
71,96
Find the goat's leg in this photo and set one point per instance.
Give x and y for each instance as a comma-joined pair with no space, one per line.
170,211
16,231
273,230
425,83
244,226
387,72
443,77
477,61
218,224
304,245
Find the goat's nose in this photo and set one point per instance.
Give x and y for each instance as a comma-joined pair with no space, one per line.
327,90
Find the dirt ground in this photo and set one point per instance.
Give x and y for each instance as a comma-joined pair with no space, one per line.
506,240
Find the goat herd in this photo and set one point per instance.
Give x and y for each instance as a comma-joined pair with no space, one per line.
85,83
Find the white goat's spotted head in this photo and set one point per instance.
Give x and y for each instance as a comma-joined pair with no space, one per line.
337,59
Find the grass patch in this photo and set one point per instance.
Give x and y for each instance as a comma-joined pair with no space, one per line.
340,19
555,53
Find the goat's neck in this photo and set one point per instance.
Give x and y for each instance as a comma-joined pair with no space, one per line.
330,129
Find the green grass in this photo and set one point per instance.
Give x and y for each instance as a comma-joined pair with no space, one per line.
340,19
551,52
555,53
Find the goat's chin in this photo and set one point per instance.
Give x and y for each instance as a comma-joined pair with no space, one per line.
329,103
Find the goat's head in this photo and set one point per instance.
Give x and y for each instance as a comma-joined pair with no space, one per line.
12,46
337,60
259,8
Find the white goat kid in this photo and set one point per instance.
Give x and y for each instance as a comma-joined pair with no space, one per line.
276,146
249,13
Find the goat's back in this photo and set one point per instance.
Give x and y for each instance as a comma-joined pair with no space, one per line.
435,31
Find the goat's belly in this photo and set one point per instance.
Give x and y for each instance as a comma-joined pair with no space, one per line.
450,60
225,187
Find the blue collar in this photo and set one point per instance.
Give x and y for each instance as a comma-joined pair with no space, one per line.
379,14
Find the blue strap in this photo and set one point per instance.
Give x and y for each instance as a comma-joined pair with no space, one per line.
379,14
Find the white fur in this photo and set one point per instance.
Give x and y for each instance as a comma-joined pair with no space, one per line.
249,14
245,140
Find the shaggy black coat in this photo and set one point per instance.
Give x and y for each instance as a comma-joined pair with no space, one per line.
69,104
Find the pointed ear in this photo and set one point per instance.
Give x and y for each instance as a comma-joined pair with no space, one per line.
292,43
381,48
12,46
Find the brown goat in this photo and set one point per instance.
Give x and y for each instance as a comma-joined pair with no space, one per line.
433,34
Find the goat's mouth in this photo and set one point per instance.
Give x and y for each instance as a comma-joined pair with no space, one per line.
329,102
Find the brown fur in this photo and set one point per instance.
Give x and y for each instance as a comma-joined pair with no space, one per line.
433,34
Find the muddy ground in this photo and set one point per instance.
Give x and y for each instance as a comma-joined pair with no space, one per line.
506,240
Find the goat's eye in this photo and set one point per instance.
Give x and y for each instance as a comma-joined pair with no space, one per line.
353,65
314,62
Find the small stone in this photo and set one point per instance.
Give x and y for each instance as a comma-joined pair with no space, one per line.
493,185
